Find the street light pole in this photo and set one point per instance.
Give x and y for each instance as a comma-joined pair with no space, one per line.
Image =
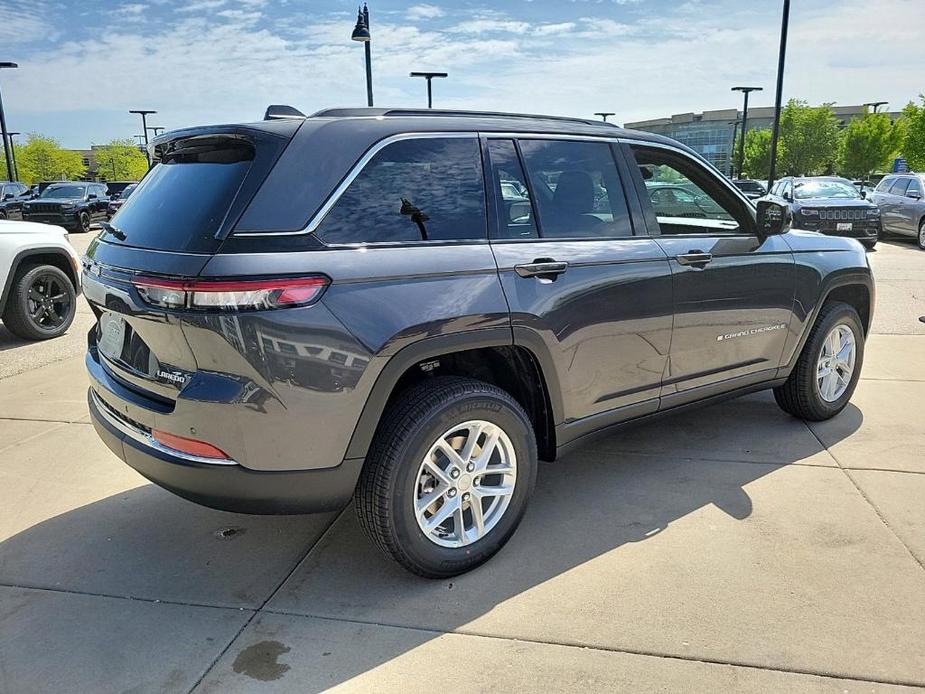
745,91
876,104
144,124
13,155
361,33
428,76
735,135
3,131
604,114
155,128
781,59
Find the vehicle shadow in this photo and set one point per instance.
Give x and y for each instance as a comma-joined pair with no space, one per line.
597,500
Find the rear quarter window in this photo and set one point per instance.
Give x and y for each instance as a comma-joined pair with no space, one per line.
415,190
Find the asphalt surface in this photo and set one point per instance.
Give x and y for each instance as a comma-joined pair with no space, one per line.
732,548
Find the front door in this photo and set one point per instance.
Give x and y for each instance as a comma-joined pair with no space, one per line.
733,291
581,286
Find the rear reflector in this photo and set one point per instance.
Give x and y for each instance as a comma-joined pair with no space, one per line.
230,295
190,446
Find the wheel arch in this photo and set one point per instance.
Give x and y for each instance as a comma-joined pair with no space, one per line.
46,255
489,355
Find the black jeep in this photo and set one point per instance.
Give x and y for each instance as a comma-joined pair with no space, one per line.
74,205
410,308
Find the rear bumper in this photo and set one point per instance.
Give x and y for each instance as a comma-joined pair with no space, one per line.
226,486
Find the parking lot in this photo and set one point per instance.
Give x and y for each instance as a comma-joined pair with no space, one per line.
730,548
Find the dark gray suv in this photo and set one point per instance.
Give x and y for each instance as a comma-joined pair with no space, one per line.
901,198
410,308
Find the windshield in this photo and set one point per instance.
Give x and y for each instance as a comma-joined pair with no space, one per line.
825,189
64,192
749,186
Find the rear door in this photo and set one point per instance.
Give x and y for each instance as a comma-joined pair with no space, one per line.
733,291
583,288
909,206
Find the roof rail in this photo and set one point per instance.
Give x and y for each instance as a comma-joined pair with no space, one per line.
281,111
433,112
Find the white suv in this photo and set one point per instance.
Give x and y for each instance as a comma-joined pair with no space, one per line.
39,279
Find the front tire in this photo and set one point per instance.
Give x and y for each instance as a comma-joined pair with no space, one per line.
869,245
447,447
83,222
827,371
921,237
42,303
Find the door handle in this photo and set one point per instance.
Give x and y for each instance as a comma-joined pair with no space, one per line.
697,259
542,268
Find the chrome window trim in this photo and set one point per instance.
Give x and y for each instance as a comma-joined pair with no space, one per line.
377,147
146,439
332,199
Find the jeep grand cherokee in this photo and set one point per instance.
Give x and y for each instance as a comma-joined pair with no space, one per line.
305,310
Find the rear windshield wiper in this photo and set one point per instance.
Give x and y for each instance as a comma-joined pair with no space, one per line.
115,231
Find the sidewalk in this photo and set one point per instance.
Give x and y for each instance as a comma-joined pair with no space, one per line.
730,548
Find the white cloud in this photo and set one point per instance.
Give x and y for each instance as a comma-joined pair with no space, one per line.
487,25
550,29
425,11
201,6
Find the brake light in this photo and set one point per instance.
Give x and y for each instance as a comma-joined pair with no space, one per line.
190,446
230,295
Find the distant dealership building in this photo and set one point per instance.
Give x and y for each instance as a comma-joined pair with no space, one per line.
711,132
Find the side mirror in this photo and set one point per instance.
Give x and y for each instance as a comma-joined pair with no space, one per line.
773,216
91,196
863,195
914,194
8,196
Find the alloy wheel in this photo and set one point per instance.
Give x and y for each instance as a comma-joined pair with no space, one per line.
836,363
48,302
465,483
922,234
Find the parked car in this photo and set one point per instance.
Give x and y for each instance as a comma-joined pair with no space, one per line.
675,200
341,307
39,279
116,202
752,188
12,196
75,205
830,205
901,198
117,188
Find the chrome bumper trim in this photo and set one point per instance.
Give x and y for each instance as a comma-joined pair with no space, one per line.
145,438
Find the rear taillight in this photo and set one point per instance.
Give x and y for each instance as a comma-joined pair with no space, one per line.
230,295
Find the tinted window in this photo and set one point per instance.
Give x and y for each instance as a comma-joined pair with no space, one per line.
427,189
899,188
64,192
182,201
885,184
685,196
915,186
512,197
577,189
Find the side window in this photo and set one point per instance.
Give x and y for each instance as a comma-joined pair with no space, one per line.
915,186
899,188
885,184
512,196
686,197
577,189
427,189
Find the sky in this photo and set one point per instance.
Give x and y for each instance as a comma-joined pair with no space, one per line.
84,64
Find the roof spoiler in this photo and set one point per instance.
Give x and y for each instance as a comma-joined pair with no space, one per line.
281,111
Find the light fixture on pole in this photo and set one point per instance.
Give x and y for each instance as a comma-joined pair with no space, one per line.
3,132
155,129
781,60
361,34
604,114
746,91
144,124
428,76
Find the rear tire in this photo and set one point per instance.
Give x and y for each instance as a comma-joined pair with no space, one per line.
42,303
804,393
400,471
921,237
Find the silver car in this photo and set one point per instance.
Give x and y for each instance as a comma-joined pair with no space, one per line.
901,198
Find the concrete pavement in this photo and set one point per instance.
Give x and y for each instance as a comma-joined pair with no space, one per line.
727,549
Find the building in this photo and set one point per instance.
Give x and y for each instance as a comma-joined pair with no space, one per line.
712,133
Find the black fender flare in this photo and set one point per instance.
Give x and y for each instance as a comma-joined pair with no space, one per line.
24,255
433,347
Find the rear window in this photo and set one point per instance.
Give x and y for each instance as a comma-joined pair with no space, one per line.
181,203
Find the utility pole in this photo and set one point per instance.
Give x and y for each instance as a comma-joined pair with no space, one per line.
144,124
746,91
781,60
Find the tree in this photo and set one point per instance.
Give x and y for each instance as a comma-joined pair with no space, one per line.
810,136
120,160
758,153
913,124
43,159
868,144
